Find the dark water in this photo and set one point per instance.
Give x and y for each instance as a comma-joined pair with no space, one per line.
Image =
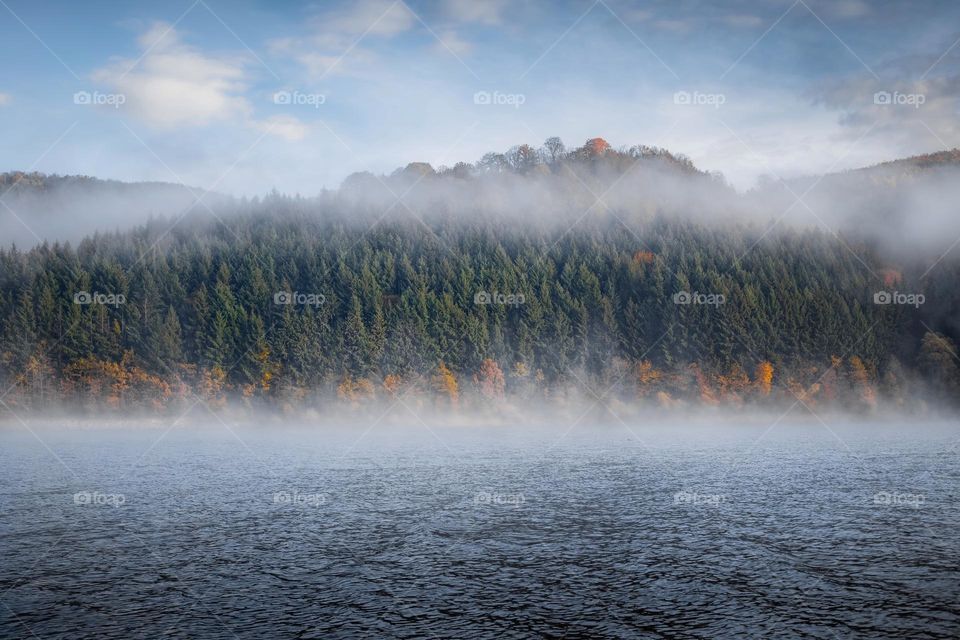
694,532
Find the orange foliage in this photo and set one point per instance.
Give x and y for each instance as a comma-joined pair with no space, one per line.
392,384
734,384
126,385
763,377
596,146
647,377
643,257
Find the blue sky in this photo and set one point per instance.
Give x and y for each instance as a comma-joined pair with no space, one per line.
245,96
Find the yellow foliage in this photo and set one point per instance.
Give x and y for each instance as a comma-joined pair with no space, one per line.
212,382
520,370
446,383
647,376
355,391
707,394
392,384
665,400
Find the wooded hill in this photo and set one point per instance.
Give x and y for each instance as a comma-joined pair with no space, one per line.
306,302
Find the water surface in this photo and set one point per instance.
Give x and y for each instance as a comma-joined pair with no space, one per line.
679,532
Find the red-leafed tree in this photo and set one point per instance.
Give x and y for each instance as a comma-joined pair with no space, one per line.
596,146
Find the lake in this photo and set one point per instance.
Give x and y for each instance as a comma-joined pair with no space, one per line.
680,531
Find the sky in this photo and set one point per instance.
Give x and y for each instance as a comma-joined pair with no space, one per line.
247,96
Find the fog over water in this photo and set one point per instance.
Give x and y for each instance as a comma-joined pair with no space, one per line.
793,529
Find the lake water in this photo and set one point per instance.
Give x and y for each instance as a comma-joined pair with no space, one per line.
681,532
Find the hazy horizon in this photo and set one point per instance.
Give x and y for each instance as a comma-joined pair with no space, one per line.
250,96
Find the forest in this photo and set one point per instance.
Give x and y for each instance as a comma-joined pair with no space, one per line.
286,302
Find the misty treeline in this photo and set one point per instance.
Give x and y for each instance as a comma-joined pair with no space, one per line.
296,302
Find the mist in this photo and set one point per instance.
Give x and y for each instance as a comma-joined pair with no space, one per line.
905,208
37,208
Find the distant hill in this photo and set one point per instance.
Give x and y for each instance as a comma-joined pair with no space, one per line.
903,205
949,158
41,207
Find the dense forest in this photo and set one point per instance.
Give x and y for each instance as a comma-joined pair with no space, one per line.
302,302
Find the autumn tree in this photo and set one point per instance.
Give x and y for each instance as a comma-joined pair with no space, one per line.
445,383
596,147
860,382
490,380
763,378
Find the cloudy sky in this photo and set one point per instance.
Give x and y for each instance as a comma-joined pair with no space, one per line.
248,95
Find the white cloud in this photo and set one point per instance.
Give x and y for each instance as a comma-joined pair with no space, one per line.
848,8
286,127
5,99
377,18
636,15
174,84
451,41
674,26
319,64
334,45
744,21
481,11
910,116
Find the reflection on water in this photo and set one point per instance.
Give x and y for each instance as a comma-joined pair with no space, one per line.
691,533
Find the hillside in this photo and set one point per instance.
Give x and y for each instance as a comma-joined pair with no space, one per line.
54,208
517,295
